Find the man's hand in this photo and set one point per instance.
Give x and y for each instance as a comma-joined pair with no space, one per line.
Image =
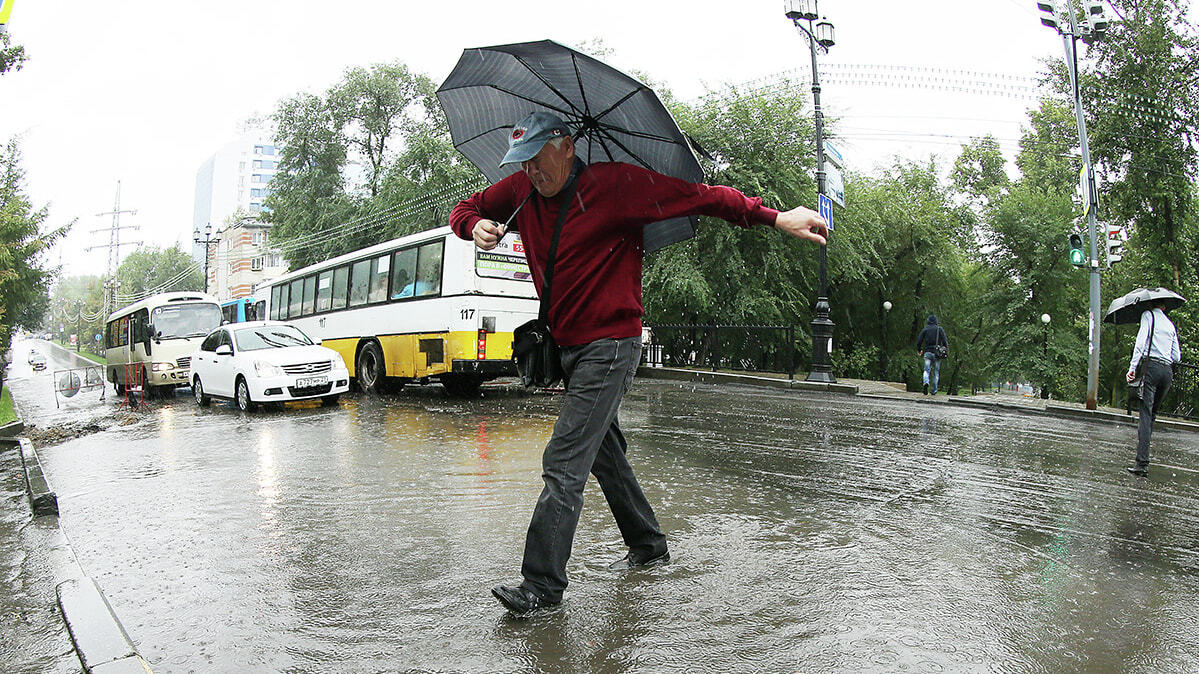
1132,374
803,223
487,234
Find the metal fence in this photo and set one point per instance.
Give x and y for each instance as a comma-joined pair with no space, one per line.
745,348
1182,400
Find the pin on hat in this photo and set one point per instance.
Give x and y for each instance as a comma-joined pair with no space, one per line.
530,134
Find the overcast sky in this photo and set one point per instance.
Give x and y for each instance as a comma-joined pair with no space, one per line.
144,91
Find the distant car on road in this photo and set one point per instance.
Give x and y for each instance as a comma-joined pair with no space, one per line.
37,360
264,362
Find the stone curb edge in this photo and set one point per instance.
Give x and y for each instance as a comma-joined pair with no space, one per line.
42,498
100,640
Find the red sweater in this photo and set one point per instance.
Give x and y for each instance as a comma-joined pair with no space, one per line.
597,276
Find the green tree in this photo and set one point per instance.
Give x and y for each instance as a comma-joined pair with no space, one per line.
24,238
147,271
12,57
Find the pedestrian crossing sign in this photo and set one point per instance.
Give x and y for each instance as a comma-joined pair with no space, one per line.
826,210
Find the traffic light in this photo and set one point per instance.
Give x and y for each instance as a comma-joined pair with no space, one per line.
1048,7
1115,243
1078,257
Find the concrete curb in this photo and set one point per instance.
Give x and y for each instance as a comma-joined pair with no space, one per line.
42,498
704,377
100,640
10,431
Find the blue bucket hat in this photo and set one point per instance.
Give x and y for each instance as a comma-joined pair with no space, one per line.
530,134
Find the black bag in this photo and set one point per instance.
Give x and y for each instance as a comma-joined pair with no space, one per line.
534,350
941,351
1138,382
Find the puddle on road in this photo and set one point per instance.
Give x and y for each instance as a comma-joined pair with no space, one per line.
807,533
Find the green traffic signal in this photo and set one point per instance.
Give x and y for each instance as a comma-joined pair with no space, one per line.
1078,258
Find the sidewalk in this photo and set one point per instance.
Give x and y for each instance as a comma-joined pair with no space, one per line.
865,388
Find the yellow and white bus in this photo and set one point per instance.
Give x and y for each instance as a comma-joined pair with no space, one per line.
421,308
150,342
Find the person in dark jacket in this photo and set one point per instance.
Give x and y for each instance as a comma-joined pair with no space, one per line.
926,344
595,311
1156,351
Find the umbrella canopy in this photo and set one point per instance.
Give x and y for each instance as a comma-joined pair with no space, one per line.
614,117
1128,309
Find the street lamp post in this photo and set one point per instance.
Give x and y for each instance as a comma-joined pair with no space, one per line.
886,330
208,241
819,34
1045,358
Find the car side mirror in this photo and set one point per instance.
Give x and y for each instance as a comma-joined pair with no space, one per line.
224,350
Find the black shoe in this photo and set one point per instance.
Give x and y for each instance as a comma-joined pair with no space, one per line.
631,561
520,600
1139,471
926,389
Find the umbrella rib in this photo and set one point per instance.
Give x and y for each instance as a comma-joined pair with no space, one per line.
640,134
579,78
547,84
627,150
624,98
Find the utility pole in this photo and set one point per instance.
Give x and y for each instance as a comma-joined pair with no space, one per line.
114,244
1093,27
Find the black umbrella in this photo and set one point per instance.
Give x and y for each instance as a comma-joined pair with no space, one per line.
614,117
1128,309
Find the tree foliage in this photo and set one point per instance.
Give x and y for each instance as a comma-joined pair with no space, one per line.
150,270
12,57
24,238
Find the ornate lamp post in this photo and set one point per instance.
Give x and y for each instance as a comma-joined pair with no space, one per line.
819,34
208,241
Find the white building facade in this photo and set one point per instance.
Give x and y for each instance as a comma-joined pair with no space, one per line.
231,190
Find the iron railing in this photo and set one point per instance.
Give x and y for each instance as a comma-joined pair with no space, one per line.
1182,400
745,348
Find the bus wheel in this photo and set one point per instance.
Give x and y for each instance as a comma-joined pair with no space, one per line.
119,387
370,370
462,385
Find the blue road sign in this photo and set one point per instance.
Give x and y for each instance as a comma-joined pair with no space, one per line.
826,210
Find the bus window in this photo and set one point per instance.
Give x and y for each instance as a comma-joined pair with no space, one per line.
297,298
359,279
324,290
428,270
282,305
341,277
379,268
403,274
309,295
182,320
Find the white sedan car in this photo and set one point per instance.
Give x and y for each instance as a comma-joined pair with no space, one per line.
263,362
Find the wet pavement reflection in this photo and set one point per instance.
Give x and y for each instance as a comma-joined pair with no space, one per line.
808,533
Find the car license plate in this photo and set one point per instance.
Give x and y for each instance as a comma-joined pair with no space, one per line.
308,382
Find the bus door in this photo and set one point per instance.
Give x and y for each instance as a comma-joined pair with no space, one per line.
140,347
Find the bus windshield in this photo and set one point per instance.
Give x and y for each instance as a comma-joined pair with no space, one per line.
270,337
174,321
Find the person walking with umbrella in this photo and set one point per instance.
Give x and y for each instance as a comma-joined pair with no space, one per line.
595,310
1155,351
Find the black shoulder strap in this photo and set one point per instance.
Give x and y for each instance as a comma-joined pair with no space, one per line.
568,193
1149,339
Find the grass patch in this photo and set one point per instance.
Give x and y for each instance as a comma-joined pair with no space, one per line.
85,353
7,413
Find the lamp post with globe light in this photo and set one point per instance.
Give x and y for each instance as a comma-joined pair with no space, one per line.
208,242
1045,357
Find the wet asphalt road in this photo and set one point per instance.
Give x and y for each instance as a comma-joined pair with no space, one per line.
809,533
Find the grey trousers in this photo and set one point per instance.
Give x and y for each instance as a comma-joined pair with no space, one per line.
587,439
1157,377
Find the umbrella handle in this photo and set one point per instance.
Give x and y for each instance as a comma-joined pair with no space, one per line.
513,216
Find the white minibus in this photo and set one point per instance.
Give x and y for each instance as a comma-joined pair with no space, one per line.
149,343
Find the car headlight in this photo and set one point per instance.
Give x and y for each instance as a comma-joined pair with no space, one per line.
160,367
265,369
